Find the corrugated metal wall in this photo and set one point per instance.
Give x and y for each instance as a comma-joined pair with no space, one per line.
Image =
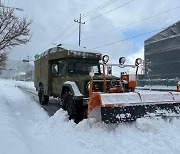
162,54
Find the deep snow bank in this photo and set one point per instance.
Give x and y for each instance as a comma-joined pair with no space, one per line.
26,128
18,114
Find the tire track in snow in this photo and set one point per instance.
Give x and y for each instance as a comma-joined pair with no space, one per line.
51,108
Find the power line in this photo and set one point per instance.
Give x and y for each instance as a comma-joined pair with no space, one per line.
99,8
66,30
63,32
70,34
128,38
88,13
132,23
110,10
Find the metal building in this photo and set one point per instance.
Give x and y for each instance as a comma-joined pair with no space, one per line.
162,56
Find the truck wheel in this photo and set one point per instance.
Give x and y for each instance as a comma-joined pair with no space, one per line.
46,100
43,99
69,105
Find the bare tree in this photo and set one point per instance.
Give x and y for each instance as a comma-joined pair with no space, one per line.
3,58
14,31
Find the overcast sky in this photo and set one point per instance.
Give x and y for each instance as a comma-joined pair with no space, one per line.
51,17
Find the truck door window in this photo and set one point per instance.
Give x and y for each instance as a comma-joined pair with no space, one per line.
83,67
58,68
55,69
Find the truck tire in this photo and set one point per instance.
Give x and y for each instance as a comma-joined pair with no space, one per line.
43,99
74,108
69,105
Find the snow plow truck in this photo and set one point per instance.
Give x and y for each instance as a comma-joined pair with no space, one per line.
82,79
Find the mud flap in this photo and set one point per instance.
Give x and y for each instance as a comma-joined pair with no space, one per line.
131,113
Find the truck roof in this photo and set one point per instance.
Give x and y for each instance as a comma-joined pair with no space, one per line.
69,51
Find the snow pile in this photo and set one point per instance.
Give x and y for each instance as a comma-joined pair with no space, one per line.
27,85
17,115
25,128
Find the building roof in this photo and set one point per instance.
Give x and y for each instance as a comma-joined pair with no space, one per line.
171,31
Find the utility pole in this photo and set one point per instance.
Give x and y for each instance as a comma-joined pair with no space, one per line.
79,21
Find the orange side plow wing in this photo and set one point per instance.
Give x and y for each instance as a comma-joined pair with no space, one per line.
94,101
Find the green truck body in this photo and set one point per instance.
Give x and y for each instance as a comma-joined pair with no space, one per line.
63,72
61,68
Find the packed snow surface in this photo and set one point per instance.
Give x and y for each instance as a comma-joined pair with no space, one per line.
25,128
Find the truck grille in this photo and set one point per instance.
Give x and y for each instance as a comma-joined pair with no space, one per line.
97,86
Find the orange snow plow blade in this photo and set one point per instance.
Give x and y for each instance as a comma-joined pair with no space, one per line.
123,107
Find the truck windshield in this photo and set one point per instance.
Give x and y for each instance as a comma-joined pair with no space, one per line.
83,67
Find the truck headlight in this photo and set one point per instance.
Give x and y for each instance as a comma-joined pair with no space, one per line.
105,59
138,61
122,60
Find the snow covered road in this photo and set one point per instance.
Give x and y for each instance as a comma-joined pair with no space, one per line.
25,128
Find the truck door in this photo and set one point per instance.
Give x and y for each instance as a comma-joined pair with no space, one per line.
58,69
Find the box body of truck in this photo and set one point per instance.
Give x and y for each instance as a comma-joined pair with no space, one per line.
52,70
